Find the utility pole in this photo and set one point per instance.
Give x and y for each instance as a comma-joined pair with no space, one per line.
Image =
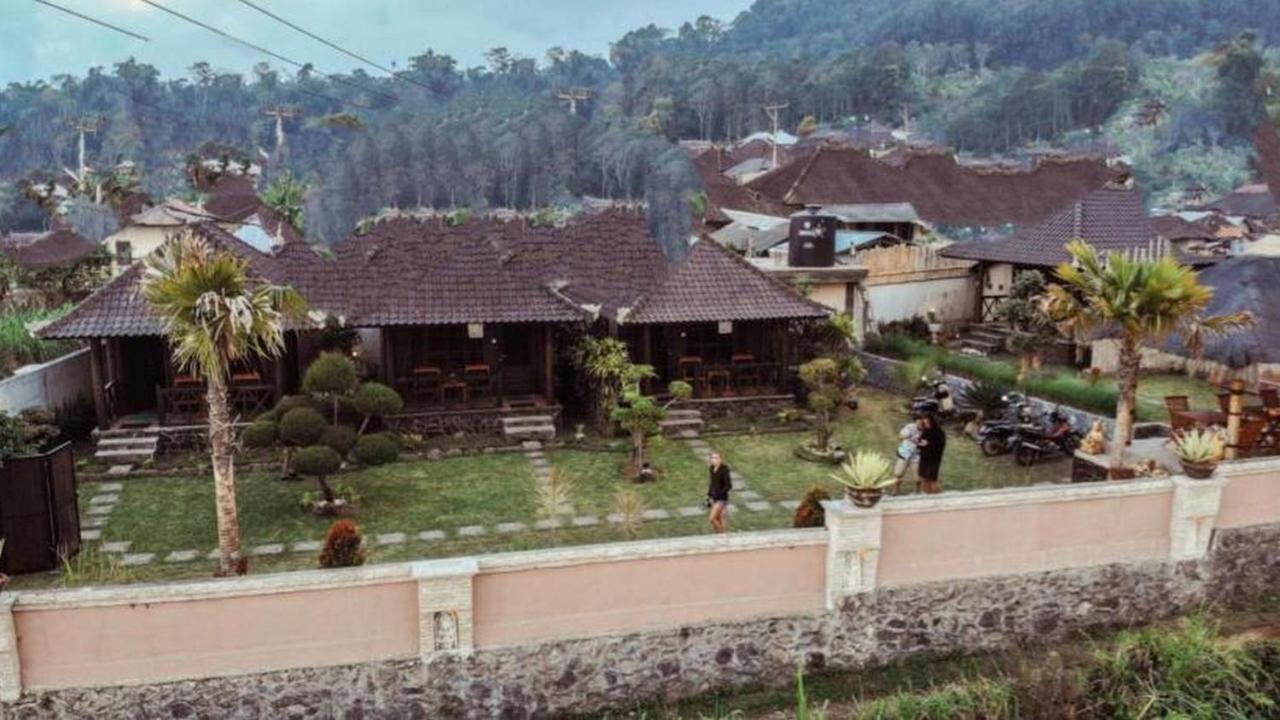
280,114
84,125
573,96
772,111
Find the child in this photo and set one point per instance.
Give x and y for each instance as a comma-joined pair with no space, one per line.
908,451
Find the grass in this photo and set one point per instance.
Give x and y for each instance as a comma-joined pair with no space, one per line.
19,347
1056,383
166,514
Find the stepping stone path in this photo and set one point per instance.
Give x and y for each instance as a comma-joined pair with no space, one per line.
655,514
510,527
137,559
307,546
586,521
269,549
178,556
391,539
542,471
789,504
691,511
471,531
120,546
104,499
551,524
431,535
90,534
758,506
119,469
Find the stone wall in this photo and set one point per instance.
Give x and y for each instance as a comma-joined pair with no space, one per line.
582,675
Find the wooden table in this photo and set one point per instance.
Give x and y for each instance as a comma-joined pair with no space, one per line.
1202,418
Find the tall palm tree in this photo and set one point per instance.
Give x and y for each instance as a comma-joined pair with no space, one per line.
1141,302
214,315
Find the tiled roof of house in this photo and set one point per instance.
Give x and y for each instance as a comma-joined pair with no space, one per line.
1266,143
941,190
1246,283
1112,218
724,193
713,284
60,246
425,271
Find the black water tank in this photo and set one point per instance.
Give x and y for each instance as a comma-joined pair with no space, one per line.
813,239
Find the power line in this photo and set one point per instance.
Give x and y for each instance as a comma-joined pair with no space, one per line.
95,21
335,46
263,50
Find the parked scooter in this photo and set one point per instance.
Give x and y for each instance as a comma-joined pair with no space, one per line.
938,402
995,436
1034,441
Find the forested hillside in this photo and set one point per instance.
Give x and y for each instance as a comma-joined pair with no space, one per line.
1177,84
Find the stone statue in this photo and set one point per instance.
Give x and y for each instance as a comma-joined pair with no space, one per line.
446,631
1095,442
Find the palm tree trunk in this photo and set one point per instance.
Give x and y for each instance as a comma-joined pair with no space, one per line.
1130,365
222,450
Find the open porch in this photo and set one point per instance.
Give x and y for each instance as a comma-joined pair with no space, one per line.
719,359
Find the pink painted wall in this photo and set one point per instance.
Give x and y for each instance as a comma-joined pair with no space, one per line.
962,543
74,647
1250,499
626,596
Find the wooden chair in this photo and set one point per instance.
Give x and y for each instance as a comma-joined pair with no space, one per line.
718,381
1224,402
1270,395
479,381
426,384
746,373
1252,430
1176,405
689,369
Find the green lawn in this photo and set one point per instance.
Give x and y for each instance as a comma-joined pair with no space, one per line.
597,476
1153,388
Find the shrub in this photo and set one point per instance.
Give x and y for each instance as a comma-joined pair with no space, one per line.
986,397
917,326
821,377
343,546
375,400
810,513
260,434
319,462
377,449
302,426
341,438
332,375
76,418
290,402
629,508
986,699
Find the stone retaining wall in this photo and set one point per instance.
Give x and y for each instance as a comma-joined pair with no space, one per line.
581,675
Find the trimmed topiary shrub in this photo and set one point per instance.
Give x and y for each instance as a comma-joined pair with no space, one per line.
302,426
319,462
261,434
377,449
340,438
343,546
375,400
290,402
331,375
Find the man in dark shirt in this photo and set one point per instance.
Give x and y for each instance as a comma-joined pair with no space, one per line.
718,493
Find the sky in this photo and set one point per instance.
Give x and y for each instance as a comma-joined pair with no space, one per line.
38,42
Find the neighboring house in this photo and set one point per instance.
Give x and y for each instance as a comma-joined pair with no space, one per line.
941,191
1256,200
1111,219
52,248
723,194
56,266
908,280
470,322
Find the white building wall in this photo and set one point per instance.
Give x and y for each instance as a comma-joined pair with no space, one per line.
954,299
47,385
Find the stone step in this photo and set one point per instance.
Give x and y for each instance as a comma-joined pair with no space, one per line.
983,345
988,336
523,420
125,454
127,432
141,441
682,423
537,432
678,413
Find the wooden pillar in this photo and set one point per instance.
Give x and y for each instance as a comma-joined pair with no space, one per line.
98,375
548,364
646,348
388,359
1235,413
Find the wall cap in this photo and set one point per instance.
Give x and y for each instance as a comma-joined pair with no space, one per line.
1006,497
442,569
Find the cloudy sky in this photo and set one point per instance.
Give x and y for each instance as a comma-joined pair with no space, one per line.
38,41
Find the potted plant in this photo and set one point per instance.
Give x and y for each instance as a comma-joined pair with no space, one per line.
1199,451
935,327
864,477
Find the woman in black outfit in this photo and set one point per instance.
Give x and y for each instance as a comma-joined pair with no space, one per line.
933,440
718,493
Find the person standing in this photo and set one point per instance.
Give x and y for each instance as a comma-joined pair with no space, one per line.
908,450
933,441
718,493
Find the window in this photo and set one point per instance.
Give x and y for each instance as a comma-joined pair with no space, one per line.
124,252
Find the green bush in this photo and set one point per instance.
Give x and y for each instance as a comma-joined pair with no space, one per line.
375,400
976,700
317,461
291,402
377,449
19,347
330,374
260,434
986,397
339,437
302,426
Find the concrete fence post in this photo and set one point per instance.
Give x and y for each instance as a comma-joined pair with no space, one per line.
853,549
10,667
1195,513
445,610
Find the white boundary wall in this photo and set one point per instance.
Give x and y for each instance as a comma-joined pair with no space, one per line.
48,385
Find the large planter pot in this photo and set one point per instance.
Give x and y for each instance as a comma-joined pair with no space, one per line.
833,455
1198,470
863,497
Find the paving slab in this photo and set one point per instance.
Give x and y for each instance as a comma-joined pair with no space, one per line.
90,534
181,556
395,538
99,510
531,445
691,511
655,514
109,499
759,505
790,504
137,559
93,522
471,531
307,546
510,527
269,549
532,454
431,535
118,546
586,521
119,469
550,524
613,517
109,487
749,495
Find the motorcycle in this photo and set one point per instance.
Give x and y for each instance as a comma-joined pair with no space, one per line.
939,402
1034,442
995,436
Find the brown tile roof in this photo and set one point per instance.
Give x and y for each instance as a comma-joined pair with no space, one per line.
942,190
713,283
723,192
423,271
60,246
1266,143
1112,218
